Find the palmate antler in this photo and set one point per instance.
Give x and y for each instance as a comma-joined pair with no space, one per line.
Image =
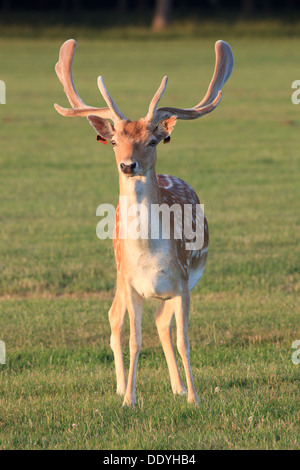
223,68
63,70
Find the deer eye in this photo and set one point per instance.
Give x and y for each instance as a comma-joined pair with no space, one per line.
152,143
113,143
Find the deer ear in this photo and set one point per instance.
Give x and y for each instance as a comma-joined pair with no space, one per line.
164,128
104,128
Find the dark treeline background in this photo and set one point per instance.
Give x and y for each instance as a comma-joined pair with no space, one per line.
160,12
247,6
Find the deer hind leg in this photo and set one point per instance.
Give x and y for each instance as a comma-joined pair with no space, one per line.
116,318
134,307
182,304
163,319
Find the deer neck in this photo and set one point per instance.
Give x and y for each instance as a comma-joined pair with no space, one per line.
141,189
137,194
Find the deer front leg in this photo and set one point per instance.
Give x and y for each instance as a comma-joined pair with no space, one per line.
116,318
163,319
134,307
182,305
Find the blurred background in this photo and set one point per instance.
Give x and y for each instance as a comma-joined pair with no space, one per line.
154,15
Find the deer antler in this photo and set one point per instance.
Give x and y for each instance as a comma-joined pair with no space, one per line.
223,68
153,105
63,70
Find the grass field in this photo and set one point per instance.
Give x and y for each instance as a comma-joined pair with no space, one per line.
57,388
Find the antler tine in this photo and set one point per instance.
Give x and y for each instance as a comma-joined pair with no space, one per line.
63,70
109,101
156,98
223,68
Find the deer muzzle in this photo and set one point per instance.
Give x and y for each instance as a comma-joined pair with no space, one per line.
128,169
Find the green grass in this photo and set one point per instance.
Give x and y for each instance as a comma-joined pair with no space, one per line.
57,279
60,372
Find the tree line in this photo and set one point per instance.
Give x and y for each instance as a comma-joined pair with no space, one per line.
161,10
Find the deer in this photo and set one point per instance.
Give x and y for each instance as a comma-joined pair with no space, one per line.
160,268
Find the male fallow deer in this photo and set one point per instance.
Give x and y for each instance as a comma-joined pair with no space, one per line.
149,268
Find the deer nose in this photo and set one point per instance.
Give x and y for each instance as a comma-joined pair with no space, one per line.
128,168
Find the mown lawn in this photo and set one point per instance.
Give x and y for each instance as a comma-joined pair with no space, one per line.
57,388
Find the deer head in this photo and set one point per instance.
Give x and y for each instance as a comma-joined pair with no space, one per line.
135,142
